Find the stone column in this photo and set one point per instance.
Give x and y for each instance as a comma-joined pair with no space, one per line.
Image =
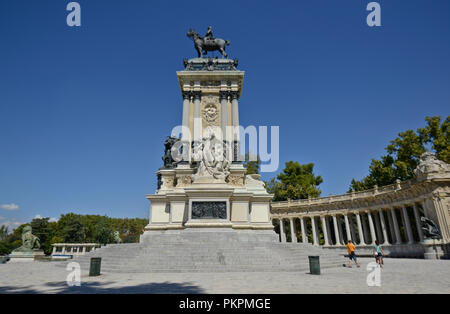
383,228
377,226
352,229
197,116
293,231
360,231
224,113
336,230
398,239
235,122
63,250
418,224
391,226
304,235
409,234
341,232
54,250
186,136
365,230
371,226
347,227
325,229
282,234
314,231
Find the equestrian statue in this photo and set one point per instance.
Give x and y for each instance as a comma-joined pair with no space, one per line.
208,43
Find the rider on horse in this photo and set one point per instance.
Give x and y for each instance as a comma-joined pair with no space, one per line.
209,35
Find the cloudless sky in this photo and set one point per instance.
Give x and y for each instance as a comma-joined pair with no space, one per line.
84,111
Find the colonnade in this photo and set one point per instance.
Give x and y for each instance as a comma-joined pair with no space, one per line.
390,225
73,248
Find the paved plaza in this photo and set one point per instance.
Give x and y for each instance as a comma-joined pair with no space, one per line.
398,276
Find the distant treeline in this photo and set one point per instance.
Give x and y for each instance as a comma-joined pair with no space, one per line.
74,228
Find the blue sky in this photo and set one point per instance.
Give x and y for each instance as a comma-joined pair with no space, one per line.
84,111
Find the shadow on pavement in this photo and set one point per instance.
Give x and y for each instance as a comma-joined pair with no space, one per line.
100,288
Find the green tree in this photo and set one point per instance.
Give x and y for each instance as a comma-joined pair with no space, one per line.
252,166
403,154
295,182
102,231
71,228
41,229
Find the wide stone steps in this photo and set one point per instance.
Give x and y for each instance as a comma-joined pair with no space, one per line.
207,252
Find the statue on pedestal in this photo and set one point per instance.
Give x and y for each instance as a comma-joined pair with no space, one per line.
30,242
208,43
117,238
169,162
430,229
430,167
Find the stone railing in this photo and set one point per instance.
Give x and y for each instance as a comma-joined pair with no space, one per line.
73,249
391,214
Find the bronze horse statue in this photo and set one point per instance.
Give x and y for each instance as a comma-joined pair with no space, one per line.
203,45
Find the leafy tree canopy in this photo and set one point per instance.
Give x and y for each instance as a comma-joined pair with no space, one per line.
403,154
295,182
74,228
253,166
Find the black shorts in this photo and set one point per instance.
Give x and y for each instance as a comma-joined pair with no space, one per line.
352,256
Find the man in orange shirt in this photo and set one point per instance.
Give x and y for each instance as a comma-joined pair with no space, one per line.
351,253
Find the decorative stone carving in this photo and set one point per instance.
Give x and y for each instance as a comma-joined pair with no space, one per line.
210,64
209,210
213,165
236,180
430,167
167,182
430,229
184,180
253,181
211,114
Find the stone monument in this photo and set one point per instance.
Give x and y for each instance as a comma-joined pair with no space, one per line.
208,187
30,248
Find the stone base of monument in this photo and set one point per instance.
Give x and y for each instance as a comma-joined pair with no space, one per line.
433,249
26,256
209,250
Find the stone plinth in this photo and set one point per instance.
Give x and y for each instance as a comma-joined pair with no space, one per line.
25,256
433,249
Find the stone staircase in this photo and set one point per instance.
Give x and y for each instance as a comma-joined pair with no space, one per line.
208,252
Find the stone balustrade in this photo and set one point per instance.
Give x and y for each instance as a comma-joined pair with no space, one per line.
74,249
390,214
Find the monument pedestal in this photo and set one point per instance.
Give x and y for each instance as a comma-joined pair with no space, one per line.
25,256
433,249
209,188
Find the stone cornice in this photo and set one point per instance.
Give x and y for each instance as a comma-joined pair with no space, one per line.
396,195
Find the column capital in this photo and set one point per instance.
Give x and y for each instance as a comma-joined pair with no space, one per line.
223,95
186,95
234,95
197,95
